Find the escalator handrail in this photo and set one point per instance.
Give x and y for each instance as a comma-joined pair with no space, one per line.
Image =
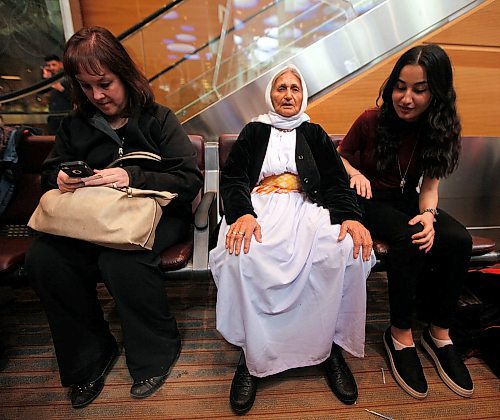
212,41
46,83
30,90
148,19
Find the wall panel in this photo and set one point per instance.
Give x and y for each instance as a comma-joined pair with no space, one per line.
473,43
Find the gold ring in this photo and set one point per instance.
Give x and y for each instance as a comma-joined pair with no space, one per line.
233,233
241,233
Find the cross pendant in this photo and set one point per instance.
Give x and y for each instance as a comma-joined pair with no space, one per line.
402,185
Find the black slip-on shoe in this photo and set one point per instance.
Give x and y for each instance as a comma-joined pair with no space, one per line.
243,390
339,377
406,368
83,394
449,365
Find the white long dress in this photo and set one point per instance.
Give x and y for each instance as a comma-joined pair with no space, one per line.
292,295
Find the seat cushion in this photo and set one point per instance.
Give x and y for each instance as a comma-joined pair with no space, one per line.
177,256
12,252
481,245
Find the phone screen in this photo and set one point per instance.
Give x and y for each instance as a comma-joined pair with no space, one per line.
77,169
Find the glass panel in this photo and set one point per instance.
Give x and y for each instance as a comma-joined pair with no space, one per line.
178,50
254,36
29,30
195,53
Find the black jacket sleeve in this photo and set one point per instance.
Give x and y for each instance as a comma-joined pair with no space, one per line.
61,152
235,183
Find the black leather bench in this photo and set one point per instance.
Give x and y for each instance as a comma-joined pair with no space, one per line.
188,257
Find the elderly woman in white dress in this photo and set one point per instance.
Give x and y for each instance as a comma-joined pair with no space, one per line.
292,257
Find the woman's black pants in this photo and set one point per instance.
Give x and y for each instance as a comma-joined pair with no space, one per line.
64,273
437,277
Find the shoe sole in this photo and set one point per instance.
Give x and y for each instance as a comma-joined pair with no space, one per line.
399,379
467,393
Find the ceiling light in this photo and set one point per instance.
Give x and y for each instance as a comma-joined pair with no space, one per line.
181,48
185,37
245,4
171,15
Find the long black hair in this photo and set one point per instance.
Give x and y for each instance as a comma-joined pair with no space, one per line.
439,126
93,48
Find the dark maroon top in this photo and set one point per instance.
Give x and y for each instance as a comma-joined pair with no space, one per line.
362,138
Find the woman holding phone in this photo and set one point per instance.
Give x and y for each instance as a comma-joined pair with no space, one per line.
114,114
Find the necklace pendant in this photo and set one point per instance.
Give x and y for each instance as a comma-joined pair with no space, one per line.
402,185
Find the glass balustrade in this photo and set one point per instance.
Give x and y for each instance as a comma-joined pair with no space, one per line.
197,52
193,63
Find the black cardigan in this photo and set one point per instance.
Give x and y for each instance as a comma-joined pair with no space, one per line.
320,169
155,129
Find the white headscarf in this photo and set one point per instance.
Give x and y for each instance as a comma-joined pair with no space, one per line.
277,120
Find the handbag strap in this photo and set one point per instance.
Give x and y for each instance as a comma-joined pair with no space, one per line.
135,156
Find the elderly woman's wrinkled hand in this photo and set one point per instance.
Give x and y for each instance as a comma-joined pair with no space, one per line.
361,238
242,231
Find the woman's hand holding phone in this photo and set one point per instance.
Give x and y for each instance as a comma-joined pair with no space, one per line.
74,175
70,175
66,183
110,177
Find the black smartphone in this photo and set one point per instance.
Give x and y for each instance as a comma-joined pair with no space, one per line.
77,169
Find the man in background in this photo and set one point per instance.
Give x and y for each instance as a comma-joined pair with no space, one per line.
59,95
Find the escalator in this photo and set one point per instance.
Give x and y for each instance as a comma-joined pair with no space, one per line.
210,61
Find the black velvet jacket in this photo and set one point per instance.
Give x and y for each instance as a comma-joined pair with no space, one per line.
155,130
320,169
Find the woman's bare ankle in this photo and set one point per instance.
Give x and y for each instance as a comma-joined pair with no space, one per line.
439,333
404,336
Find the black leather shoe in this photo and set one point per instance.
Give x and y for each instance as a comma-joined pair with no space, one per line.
83,394
243,390
339,377
147,387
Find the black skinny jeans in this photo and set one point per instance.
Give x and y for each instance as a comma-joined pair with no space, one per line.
64,273
436,277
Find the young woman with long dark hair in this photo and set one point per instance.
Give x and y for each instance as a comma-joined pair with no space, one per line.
395,156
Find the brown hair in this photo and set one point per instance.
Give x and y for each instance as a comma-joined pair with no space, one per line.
94,49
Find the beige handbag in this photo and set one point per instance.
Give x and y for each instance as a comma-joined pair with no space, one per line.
121,218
